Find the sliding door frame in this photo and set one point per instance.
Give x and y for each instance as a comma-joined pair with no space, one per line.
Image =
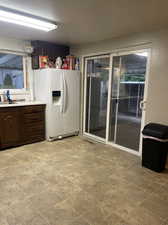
143,120
117,53
94,137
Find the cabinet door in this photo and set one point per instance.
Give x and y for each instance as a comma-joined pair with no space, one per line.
10,135
34,123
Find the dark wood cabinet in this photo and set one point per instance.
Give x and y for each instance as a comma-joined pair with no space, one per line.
34,123
9,127
21,125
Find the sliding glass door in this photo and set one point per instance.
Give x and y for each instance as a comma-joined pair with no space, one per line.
113,110
96,84
128,80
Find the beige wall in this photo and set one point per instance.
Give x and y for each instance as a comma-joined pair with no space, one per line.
9,44
157,99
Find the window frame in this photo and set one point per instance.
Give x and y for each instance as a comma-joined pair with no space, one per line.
25,71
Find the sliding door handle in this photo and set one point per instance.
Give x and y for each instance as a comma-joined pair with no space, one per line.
142,105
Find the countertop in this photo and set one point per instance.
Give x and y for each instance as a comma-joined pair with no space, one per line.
16,104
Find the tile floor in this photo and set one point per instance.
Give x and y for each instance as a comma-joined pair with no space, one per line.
75,182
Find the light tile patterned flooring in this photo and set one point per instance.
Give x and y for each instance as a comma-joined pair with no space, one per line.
74,182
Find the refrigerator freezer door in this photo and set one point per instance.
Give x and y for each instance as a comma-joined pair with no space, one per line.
41,85
71,84
54,115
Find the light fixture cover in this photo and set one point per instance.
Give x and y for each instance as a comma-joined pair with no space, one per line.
27,21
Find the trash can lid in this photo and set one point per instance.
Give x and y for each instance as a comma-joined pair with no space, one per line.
156,130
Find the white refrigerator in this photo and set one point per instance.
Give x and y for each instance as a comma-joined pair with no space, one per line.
60,90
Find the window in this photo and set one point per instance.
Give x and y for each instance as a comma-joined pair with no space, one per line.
11,71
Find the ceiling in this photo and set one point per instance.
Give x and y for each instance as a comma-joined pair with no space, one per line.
85,21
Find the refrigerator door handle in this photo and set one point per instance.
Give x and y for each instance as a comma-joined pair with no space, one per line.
62,101
65,94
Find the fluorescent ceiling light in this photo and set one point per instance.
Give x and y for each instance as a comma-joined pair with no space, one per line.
145,54
27,21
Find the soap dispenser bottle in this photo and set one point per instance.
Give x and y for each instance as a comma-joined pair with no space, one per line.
8,97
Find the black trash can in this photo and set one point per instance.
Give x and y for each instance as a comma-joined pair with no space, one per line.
155,146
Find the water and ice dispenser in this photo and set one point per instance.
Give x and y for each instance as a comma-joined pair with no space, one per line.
56,97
